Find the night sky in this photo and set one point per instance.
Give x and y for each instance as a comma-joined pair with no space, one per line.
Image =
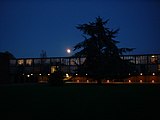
29,26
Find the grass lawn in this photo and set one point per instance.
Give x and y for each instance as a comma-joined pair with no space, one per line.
79,101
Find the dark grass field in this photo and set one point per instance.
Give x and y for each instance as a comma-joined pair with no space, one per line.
80,101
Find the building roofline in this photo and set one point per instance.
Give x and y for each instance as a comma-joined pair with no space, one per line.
84,57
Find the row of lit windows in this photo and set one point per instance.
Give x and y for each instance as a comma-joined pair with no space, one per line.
62,61
153,59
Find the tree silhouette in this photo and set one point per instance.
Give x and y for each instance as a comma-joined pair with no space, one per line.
43,54
103,60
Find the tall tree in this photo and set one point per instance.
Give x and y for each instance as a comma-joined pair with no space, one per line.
100,49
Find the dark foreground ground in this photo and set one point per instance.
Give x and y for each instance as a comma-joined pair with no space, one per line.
80,102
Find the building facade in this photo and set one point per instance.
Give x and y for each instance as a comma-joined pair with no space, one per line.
40,68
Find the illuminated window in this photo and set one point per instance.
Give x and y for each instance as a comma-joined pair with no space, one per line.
53,69
29,62
137,60
20,62
141,59
154,59
130,58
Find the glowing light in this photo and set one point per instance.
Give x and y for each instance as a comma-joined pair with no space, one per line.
76,74
49,74
141,73
67,75
31,74
28,75
153,73
40,74
107,81
152,81
68,50
86,74
140,81
129,81
23,73
53,69
152,56
129,74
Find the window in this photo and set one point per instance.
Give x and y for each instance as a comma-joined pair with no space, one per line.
153,59
65,61
12,62
130,58
82,60
53,69
74,61
55,61
29,62
45,61
37,61
20,62
141,59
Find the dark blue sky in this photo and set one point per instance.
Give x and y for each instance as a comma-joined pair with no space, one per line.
29,26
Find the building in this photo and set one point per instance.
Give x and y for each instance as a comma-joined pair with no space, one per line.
38,69
5,67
